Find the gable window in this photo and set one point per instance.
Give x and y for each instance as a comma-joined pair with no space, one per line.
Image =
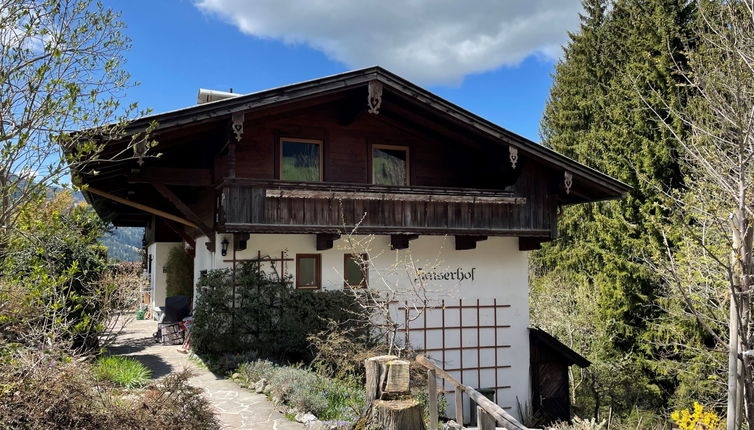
308,271
389,165
300,160
355,270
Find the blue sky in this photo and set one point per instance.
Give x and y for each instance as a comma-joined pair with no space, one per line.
180,46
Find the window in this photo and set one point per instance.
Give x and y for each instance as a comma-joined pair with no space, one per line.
389,165
300,160
308,271
355,271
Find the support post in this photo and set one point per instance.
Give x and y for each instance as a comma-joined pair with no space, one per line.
432,393
484,421
459,405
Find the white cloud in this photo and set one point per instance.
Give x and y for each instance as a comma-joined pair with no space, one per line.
429,41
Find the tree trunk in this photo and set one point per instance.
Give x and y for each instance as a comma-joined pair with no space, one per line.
396,415
732,365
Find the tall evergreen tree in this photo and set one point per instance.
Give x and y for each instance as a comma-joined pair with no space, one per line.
624,50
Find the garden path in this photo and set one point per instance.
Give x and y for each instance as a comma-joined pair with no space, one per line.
236,407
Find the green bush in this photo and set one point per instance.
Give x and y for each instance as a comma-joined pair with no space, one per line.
123,371
308,398
270,316
250,372
286,379
51,269
345,398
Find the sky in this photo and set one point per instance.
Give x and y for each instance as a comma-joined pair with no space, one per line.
492,57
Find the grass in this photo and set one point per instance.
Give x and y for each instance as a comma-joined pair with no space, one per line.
123,371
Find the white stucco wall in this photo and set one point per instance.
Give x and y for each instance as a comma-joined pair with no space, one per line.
500,275
159,252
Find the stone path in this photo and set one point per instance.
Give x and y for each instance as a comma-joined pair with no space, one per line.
236,407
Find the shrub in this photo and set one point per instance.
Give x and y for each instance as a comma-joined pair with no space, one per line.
270,316
309,399
45,391
345,398
251,372
123,371
53,277
285,380
698,418
579,424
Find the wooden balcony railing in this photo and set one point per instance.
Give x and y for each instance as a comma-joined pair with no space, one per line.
488,413
267,206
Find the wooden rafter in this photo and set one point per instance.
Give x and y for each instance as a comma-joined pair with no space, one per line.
142,207
184,209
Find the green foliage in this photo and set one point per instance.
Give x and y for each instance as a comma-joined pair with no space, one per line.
306,390
269,317
60,70
622,58
179,277
52,266
251,372
123,371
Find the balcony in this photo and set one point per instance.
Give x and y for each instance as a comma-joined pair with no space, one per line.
267,206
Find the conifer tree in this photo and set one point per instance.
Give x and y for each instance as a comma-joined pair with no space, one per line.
596,115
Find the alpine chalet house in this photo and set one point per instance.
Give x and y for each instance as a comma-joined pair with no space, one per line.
285,175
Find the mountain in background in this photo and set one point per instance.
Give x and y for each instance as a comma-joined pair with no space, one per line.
123,243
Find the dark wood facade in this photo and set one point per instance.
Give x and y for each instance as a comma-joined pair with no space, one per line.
219,168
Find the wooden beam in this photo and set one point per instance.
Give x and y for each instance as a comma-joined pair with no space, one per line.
182,233
240,241
531,243
185,210
325,240
171,176
400,241
142,207
464,242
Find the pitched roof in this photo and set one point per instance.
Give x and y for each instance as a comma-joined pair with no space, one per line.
611,187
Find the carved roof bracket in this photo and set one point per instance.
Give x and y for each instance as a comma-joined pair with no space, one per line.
237,125
513,154
374,99
568,181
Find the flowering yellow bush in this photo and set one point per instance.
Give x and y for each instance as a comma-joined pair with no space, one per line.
699,419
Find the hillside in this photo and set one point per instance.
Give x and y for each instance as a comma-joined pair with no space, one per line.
124,243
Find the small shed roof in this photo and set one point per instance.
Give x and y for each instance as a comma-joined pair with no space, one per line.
565,353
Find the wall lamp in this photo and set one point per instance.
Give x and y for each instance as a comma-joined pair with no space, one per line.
224,247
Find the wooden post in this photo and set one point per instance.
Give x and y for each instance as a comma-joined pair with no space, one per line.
484,421
459,405
432,393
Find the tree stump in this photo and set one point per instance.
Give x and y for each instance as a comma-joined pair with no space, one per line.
396,415
376,372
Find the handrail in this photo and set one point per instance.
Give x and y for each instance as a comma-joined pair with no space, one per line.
490,408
